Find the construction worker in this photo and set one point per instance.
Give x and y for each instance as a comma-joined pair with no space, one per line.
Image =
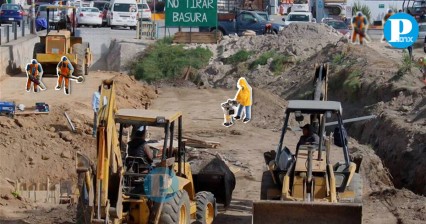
34,74
138,146
359,24
308,137
389,14
244,99
95,106
64,71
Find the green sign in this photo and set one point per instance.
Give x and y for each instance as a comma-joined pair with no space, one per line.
192,13
381,6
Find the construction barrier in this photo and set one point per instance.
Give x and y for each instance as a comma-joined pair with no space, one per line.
46,192
146,29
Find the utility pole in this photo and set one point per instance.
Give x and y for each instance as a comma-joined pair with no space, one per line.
33,27
319,10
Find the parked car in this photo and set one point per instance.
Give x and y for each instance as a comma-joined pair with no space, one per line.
89,16
245,20
122,13
299,17
54,15
338,25
144,11
10,13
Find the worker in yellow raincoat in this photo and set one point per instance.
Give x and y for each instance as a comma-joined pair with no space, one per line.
359,25
244,98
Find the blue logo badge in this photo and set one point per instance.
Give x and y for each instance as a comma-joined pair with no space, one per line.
161,184
401,30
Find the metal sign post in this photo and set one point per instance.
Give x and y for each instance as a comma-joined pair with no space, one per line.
33,27
319,9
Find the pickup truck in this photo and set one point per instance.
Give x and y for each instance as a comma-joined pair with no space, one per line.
243,21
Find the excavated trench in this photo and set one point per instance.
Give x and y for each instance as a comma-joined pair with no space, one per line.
397,135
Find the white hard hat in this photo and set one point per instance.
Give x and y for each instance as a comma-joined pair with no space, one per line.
21,107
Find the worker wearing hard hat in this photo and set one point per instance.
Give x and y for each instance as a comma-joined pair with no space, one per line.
34,73
244,99
389,14
64,71
359,24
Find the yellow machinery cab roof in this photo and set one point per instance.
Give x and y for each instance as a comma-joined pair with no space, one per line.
65,33
145,116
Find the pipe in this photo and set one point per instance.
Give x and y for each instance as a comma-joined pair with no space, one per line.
363,118
69,121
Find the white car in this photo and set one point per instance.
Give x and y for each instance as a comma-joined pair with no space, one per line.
89,16
299,17
122,13
144,11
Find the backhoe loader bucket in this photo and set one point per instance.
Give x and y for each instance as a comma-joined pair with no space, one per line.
271,212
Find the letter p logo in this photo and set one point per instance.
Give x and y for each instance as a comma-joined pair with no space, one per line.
401,30
396,25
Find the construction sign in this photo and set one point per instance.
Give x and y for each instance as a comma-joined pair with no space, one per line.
191,13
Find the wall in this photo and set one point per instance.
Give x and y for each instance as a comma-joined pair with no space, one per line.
16,54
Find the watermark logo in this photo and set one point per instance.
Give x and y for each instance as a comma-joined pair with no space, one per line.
401,30
161,184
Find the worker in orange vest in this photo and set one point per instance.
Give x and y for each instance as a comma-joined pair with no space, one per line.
34,74
64,71
359,25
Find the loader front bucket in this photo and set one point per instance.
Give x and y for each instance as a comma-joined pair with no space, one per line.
276,212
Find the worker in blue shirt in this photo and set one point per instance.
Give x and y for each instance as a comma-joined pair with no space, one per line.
95,106
64,71
34,74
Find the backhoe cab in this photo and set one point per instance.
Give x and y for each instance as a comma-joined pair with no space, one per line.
61,40
125,189
316,183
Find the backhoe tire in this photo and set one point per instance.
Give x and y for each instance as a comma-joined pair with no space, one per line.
267,183
356,186
79,68
38,48
84,211
206,207
176,210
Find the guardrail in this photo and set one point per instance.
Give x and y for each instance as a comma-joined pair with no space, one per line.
9,32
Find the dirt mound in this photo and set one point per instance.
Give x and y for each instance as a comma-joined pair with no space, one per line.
130,97
36,147
296,42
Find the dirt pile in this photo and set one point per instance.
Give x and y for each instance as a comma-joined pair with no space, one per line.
296,42
36,147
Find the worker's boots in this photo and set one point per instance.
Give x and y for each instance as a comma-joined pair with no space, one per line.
67,91
57,87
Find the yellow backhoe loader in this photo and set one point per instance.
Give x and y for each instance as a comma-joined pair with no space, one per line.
312,185
61,40
119,188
